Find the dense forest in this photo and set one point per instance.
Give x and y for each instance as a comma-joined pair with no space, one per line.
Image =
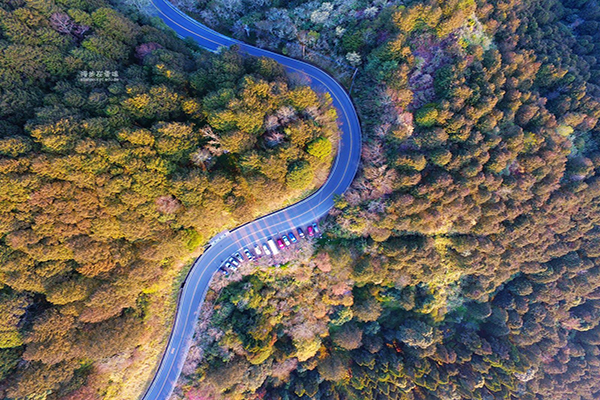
464,263
122,150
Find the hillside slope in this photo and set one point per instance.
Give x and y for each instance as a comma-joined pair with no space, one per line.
122,151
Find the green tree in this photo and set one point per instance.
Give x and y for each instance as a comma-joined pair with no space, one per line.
300,175
320,148
427,116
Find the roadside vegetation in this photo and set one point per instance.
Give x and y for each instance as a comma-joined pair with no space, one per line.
122,151
463,263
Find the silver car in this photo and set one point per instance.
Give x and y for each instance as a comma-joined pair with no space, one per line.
266,249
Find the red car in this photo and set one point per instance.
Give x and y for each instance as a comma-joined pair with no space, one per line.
310,231
280,244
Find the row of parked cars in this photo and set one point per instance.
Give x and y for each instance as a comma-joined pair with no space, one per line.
271,247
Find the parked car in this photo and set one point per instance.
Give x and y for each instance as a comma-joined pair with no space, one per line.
293,238
234,262
286,241
225,268
272,246
280,244
239,257
301,233
257,250
266,249
310,231
248,254
316,228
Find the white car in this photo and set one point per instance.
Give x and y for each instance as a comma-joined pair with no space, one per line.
239,257
234,262
266,249
257,250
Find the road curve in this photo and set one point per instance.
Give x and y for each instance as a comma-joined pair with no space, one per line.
299,214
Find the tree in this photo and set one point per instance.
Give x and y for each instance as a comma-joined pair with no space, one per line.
67,292
416,334
61,22
302,98
114,24
427,116
320,148
12,308
333,368
348,336
39,379
368,310
168,204
300,175
9,358
353,58
14,146
224,378
306,348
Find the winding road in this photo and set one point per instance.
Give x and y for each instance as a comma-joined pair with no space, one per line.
299,214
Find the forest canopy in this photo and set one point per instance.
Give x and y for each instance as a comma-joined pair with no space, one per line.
463,262
122,150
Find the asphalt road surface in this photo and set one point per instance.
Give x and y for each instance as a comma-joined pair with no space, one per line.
273,225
